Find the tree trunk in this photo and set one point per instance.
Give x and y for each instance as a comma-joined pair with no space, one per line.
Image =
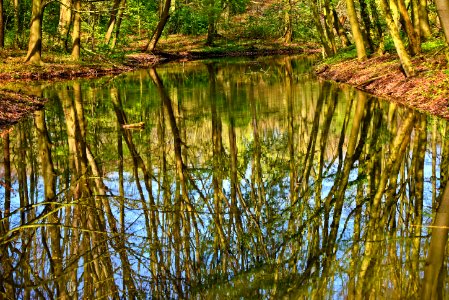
415,45
211,30
431,286
443,14
356,32
112,21
424,25
400,48
65,16
288,30
165,14
76,34
340,30
2,26
118,23
17,27
35,43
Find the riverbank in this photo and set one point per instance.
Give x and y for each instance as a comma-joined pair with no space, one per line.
13,71
380,76
383,77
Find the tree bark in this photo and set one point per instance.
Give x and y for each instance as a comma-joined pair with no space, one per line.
400,48
65,17
415,45
165,14
424,25
443,14
356,32
76,34
35,43
2,26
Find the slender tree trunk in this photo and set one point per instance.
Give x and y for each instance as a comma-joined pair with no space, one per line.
400,48
76,33
211,30
356,32
112,21
288,17
17,27
35,43
65,17
443,14
340,30
2,26
415,45
118,23
424,25
366,24
165,14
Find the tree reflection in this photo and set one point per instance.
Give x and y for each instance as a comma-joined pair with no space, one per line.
242,184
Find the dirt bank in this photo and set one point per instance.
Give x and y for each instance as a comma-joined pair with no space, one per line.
382,76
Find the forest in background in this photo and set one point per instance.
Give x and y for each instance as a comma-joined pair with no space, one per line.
81,28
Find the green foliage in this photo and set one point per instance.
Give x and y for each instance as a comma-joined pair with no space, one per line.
268,25
433,45
343,54
188,20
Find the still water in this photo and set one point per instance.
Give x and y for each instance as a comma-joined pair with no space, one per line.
222,179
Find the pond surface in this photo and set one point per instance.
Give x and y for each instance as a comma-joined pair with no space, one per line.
234,179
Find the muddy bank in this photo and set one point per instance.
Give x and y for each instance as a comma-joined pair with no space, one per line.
382,76
14,106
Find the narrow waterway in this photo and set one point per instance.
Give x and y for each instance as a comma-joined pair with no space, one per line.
233,179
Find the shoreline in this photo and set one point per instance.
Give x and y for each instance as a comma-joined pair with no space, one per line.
380,76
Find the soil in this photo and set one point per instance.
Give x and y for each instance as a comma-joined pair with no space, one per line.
382,76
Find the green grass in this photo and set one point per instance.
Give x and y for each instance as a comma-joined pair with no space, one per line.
342,55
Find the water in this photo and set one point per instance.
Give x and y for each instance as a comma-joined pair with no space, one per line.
239,178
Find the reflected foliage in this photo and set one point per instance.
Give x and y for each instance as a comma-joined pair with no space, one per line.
249,179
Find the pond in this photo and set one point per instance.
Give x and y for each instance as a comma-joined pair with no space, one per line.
233,178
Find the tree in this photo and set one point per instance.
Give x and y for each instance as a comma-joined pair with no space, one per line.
2,26
76,33
165,14
35,42
356,32
398,44
65,17
443,14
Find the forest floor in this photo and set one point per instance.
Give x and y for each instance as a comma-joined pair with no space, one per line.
428,91
382,76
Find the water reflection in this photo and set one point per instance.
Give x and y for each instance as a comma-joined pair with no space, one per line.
250,179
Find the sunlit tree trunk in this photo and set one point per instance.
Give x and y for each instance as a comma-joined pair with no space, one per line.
76,31
17,24
424,25
415,44
366,22
2,26
112,21
288,21
443,14
340,29
327,47
165,14
399,45
35,42
65,17
356,32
